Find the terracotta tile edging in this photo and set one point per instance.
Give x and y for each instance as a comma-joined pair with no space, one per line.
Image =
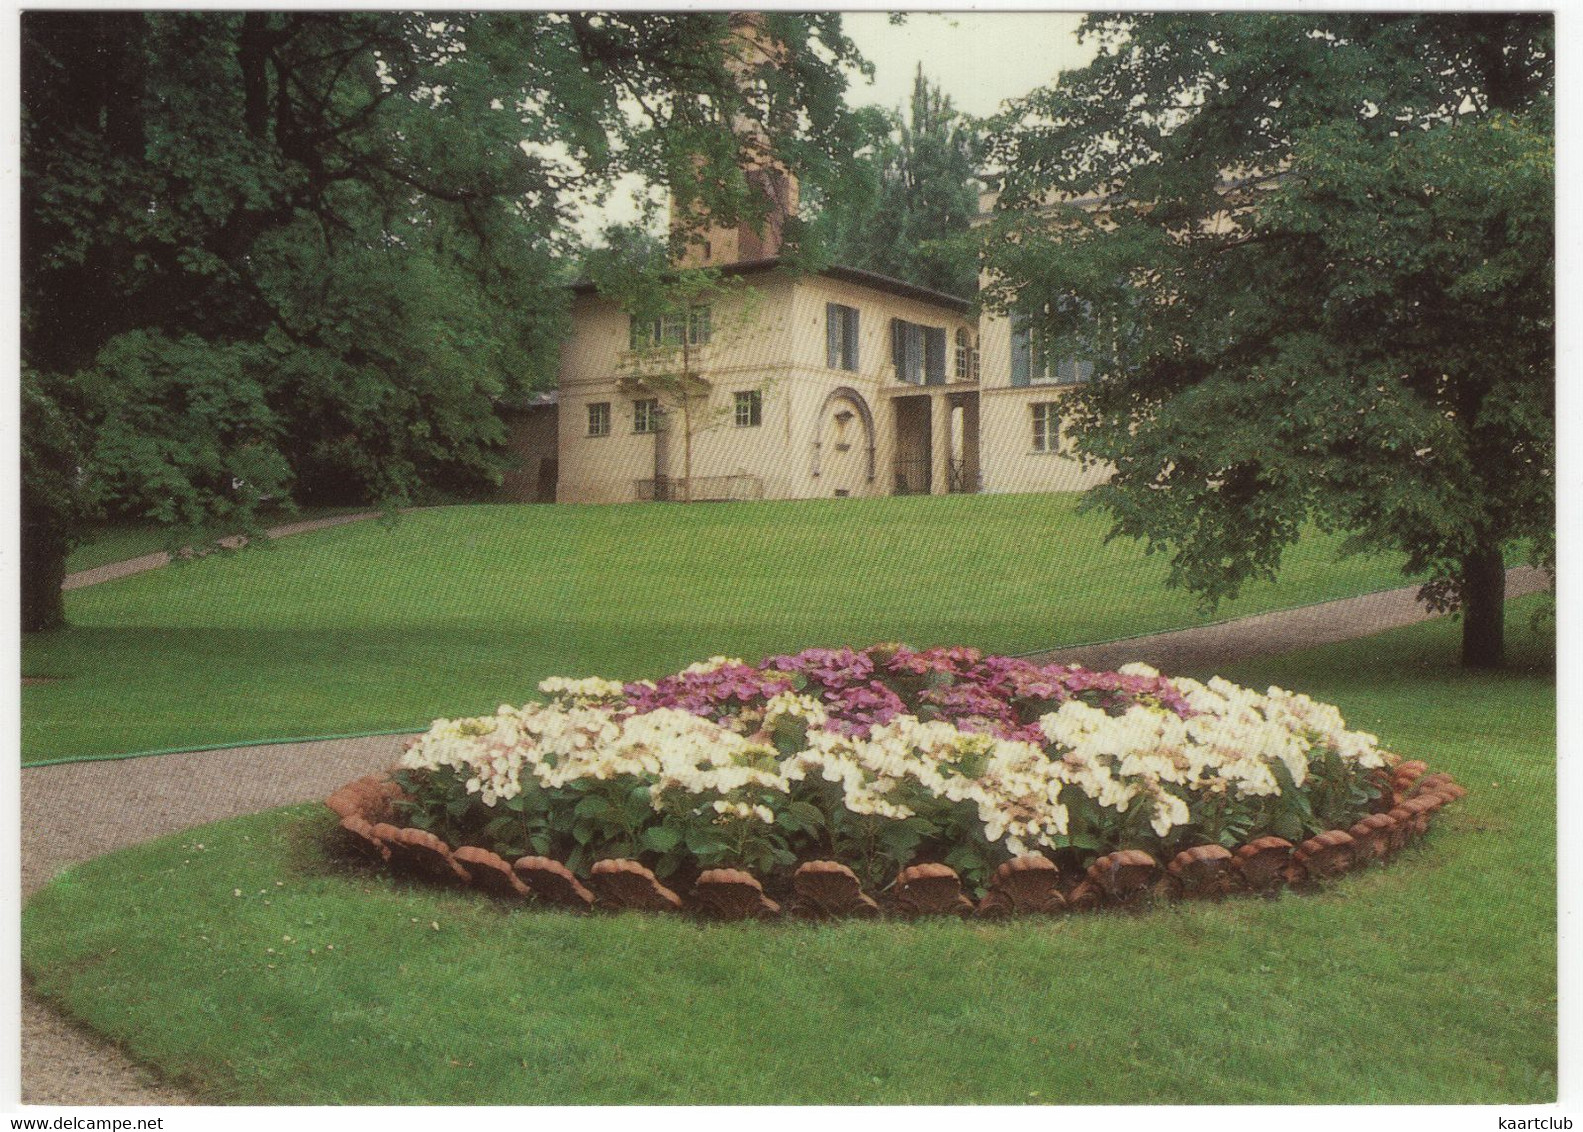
1029,885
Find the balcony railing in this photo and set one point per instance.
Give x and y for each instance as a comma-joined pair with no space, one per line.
702,489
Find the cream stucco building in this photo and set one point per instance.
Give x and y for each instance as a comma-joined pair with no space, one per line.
840,383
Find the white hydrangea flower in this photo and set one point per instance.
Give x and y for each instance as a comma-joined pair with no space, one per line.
1234,746
704,667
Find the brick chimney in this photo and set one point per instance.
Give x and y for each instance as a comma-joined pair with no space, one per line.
750,49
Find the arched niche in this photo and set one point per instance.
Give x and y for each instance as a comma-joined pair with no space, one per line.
830,422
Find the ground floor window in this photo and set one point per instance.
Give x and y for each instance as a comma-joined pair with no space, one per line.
646,415
749,409
599,418
1046,426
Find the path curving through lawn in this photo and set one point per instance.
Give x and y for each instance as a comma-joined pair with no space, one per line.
74,812
110,571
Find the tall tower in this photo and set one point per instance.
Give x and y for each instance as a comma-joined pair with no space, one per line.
749,50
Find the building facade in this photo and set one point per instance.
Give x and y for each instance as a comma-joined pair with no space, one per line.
841,383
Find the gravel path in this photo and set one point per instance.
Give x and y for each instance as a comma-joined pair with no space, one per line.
113,570
78,811
1212,646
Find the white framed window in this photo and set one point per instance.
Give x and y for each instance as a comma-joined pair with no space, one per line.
1046,426
840,332
966,356
749,407
646,415
599,418
693,328
1033,363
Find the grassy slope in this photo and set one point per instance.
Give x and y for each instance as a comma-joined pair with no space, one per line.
453,611
1431,981
114,542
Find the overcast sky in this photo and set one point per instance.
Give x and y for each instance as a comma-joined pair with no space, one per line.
978,58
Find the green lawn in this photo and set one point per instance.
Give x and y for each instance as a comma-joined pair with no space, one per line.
1430,981
114,542
453,611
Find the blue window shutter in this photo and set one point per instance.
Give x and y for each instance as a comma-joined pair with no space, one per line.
849,344
1021,359
832,335
898,348
934,355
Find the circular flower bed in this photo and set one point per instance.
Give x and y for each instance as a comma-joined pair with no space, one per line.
933,781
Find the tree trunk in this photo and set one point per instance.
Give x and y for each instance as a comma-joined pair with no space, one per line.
687,448
1483,609
44,547
687,406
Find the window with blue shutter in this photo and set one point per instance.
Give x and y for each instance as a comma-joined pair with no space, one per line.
849,338
1032,363
934,355
840,336
1021,350
917,352
1073,371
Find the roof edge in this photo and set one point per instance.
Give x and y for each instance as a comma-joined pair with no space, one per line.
858,275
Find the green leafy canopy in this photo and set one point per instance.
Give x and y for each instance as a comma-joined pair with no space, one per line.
313,252
905,203
1312,256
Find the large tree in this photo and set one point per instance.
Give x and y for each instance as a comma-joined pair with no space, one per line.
271,252
1312,257
908,198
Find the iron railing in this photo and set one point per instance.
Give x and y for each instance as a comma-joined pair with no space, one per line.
702,489
912,477
962,478
915,477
